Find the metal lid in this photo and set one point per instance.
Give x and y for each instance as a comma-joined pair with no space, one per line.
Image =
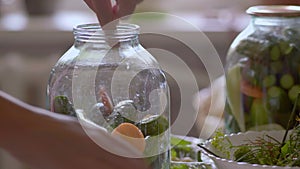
274,11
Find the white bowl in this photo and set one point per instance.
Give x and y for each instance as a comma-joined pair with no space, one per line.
238,139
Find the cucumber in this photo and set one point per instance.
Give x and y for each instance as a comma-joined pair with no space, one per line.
275,53
278,100
269,81
258,114
154,125
293,92
286,81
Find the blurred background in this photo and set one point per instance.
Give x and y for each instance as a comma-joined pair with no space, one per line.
35,33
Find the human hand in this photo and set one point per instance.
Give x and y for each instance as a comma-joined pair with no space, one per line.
107,13
45,140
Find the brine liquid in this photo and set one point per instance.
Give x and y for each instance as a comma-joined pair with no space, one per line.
81,84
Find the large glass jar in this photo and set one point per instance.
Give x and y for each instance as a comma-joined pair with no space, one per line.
109,79
263,70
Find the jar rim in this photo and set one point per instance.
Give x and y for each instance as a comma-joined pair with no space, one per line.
93,31
274,10
121,28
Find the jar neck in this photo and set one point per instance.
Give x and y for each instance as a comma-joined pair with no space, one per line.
93,35
274,23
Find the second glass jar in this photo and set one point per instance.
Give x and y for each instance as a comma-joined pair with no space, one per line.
263,70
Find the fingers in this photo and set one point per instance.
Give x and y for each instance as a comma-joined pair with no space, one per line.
103,10
90,4
106,13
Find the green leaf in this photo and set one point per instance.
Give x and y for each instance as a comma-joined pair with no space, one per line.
285,148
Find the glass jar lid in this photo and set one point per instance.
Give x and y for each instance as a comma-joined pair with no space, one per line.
275,11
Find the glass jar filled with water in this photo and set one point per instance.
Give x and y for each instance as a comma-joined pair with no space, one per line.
110,80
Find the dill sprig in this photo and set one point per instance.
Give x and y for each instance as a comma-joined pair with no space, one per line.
224,148
265,150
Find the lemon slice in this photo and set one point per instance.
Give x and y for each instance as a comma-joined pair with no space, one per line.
131,134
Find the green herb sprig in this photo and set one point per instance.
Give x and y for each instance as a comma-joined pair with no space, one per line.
265,150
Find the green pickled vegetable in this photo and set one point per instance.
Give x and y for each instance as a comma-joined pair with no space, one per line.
258,113
294,37
233,84
275,53
115,119
293,92
154,125
278,101
274,91
276,67
253,48
285,47
62,105
269,80
287,81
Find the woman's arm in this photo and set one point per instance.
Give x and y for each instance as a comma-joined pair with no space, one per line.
46,140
